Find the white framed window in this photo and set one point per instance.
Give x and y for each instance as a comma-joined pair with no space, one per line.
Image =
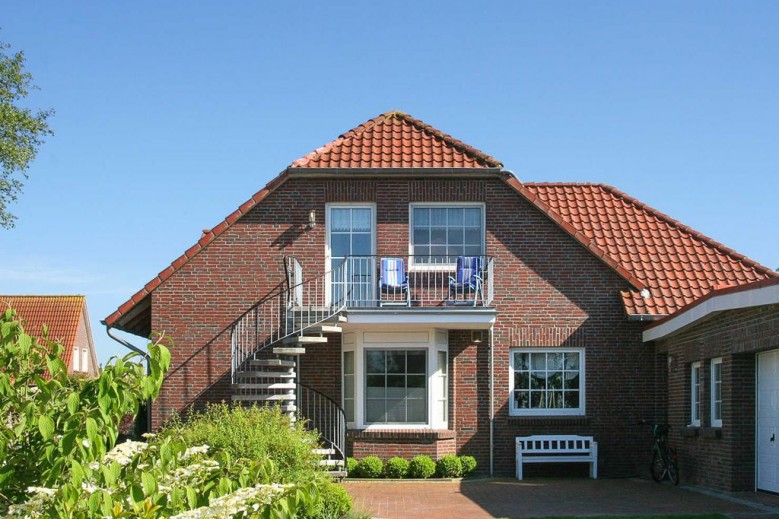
351,232
695,394
74,360
84,360
440,232
546,381
716,392
394,380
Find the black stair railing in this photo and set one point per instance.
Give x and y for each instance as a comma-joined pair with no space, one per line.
324,415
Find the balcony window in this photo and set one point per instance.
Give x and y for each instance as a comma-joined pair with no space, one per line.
441,233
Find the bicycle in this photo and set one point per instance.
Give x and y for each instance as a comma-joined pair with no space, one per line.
664,459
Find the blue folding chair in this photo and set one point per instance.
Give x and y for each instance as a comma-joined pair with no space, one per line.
467,280
393,282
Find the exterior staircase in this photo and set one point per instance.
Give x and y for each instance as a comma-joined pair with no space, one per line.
267,342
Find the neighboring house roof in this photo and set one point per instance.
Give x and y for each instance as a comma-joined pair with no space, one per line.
396,140
674,263
721,299
62,316
650,250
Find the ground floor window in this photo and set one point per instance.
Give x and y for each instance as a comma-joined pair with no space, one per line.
716,392
695,394
546,381
395,379
396,386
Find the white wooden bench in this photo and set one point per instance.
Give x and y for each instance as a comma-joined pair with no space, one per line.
557,449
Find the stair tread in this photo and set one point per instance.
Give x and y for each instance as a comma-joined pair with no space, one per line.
265,398
289,351
272,385
273,362
331,463
323,452
338,474
265,374
325,328
305,339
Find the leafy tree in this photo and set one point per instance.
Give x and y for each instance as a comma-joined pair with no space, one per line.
21,131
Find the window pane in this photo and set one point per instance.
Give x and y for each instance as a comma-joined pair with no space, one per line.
375,386
396,362
522,361
417,362
416,381
521,399
473,236
472,216
374,411
572,399
421,216
374,361
339,219
455,236
416,411
572,361
339,245
438,236
442,362
361,220
455,216
349,362
349,386
438,217
538,361
521,381
396,410
361,244
421,236
421,253
572,380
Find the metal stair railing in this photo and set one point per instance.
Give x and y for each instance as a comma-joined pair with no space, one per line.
288,310
324,415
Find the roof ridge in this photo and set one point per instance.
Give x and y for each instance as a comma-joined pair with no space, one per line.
689,230
383,118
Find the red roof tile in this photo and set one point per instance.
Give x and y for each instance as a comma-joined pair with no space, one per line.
396,140
676,264
61,315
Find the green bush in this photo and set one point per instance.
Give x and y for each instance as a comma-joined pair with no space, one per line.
449,466
334,502
421,467
396,468
256,433
469,465
370,467
351,466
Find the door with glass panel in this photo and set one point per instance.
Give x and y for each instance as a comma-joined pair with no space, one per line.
351,233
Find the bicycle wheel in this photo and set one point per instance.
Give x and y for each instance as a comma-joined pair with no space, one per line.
673,472
657,469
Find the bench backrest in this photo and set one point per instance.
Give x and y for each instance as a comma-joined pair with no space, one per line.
545,444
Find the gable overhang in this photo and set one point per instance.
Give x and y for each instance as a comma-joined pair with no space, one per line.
756,294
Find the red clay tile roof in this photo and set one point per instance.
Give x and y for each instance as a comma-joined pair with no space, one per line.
676,264
396,140
61,314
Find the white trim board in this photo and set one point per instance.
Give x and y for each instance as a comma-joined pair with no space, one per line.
748,298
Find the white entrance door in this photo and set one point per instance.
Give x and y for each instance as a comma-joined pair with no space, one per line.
768,421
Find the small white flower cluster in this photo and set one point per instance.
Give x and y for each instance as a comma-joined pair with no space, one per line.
194,469
194,451
31,509
124,453
229,505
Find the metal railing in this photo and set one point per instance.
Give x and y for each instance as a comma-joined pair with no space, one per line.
288,310
425,281
324,415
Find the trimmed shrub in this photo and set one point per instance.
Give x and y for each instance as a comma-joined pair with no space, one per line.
334,502
396,468
370,467
421,467
449,466
469,465
351,466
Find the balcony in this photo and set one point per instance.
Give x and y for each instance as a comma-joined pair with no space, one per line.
400,282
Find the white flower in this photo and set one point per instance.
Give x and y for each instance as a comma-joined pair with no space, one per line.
85,443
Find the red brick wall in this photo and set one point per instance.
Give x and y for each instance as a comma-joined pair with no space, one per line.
549,291
713,457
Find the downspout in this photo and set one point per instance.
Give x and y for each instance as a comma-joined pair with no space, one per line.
145,355
492,404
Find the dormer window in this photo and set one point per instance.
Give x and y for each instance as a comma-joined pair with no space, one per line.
441,232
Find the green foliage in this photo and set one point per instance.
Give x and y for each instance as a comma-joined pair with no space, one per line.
21,131
421,467
351,466
334,502
255,433
449,466
370,467
469,465
396,468
56,424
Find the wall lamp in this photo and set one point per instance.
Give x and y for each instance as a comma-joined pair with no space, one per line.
311,219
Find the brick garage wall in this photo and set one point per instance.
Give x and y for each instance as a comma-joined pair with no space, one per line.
717,458
549,292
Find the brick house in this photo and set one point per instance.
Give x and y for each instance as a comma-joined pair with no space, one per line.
720,358
351,254
67,322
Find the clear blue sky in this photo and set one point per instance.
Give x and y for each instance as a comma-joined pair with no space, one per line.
171,114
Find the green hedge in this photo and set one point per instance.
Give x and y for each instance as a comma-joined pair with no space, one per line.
421,467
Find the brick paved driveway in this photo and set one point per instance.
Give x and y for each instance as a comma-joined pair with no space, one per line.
548,497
